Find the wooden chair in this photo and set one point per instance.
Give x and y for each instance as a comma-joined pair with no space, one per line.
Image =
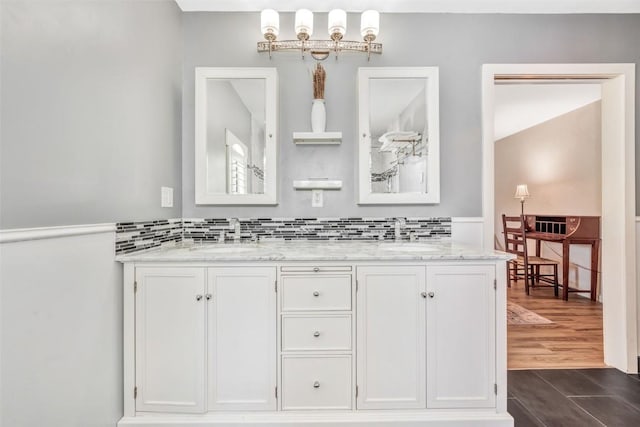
525,266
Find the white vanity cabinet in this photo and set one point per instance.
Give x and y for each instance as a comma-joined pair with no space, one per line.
316,336
170,339
461,336
391,337
205,332
241,338
394,341
438,317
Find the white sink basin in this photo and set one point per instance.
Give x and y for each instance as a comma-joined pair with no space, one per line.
225,249
407,247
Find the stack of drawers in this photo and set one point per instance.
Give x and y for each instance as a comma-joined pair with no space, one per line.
316,342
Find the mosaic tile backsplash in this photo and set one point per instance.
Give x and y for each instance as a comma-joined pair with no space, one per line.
135,236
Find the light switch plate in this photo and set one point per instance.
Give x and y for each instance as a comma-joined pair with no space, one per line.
166,197
317,198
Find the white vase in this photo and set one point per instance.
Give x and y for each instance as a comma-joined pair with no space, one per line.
318,116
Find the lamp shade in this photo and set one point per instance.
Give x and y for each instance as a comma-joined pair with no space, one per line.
370,23
270,22
522,191
337,22
304,22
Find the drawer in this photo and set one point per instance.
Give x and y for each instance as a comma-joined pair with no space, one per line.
302,333
316,382
314,268
322,292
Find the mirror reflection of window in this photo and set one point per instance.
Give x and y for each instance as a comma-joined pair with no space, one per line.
236,135
237,162
398,128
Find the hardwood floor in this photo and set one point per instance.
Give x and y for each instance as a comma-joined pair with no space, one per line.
573,340
573,398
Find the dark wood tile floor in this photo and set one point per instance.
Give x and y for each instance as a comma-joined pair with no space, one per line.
574,398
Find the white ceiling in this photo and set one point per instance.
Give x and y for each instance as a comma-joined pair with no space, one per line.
521,106
412,6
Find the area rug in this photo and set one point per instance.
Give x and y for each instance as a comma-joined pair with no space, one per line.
518,315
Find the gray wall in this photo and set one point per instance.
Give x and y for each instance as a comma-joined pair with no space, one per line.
91,115
458,44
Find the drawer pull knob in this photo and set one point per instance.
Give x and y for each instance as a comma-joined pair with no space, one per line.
316,293
316,384
316,334
316,269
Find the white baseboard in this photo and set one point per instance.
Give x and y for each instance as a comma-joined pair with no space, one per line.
323,418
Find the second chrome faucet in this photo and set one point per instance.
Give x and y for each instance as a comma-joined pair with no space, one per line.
398,227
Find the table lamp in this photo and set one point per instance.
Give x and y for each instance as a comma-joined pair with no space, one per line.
522,192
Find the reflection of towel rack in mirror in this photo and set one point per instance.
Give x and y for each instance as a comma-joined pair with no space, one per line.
404,144
396,140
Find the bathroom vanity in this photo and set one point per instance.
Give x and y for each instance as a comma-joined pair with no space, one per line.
307,333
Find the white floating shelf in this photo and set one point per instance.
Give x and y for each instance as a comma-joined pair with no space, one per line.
317,184
317,138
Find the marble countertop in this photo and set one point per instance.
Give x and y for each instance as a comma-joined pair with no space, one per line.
307,250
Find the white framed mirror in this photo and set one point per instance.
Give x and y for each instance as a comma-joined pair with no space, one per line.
236,136
399,136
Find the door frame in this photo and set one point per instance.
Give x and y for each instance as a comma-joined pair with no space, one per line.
618,268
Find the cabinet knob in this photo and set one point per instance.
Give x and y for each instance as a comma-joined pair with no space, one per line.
316,269
316,334
431,294
424,294
208,296
316,293
198,297
316,384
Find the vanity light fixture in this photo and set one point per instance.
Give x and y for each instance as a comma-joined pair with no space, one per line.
320,49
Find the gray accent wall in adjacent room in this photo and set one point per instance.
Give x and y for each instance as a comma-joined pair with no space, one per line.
457,43
91,111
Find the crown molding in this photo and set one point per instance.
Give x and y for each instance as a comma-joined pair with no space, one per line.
421,6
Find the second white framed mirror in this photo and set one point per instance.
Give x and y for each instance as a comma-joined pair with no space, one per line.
398,135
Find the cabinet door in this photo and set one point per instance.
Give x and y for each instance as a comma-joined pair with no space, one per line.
170,339
460,336
242,338
391,337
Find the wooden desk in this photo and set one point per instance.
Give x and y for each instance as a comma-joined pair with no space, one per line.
569,230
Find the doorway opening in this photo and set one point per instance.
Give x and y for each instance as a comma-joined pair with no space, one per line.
617,276
548,167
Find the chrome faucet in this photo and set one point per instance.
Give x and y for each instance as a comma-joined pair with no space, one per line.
235,224
398,226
